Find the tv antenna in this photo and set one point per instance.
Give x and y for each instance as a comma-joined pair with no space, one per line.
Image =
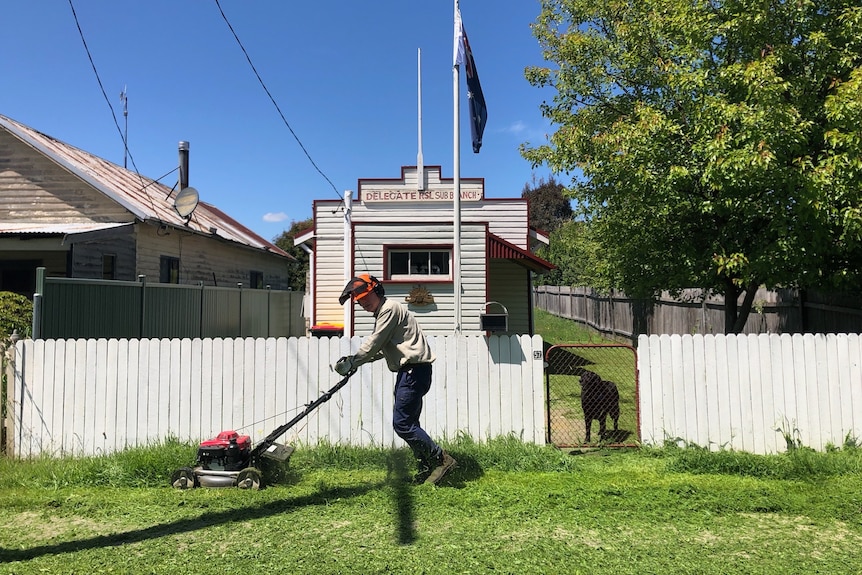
125,100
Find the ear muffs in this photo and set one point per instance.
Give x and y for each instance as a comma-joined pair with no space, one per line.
377,287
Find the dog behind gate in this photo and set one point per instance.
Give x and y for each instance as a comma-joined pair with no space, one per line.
600,399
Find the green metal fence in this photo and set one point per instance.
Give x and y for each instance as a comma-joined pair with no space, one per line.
65,308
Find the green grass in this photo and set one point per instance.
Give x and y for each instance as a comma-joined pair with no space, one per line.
508,508
555,329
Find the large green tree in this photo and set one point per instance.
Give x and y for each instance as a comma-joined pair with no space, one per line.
298,271
720,142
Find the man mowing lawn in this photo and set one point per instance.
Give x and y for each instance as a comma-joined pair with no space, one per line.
398,338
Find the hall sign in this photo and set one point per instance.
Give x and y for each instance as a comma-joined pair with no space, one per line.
403,196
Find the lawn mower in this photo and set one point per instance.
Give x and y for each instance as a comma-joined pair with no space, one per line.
228,459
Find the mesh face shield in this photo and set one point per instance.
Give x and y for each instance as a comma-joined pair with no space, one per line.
359,287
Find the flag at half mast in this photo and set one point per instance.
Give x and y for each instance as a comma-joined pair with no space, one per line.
464,56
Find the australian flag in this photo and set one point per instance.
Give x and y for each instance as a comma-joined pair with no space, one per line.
478,111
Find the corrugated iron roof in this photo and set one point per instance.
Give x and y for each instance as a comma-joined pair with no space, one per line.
501,249
147,199
19,228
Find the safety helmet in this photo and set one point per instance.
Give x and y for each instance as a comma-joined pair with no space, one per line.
359,287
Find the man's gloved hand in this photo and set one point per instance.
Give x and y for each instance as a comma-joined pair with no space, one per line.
344,365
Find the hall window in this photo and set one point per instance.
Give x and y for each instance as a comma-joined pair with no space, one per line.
419,263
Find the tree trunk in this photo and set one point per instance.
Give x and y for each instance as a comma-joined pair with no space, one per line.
745,310
731,294
735,315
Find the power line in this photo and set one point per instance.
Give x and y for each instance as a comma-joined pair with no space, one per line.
101,87
113,114
265,89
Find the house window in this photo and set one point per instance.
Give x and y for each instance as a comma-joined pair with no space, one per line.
169,270
255,280
418,263
109,267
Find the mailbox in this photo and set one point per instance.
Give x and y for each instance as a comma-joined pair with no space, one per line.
494,321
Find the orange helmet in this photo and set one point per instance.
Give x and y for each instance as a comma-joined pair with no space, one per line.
359,287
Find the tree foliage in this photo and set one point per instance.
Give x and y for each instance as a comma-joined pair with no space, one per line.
299,270
578,257
720,142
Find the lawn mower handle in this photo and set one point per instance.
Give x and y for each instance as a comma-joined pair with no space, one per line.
279,431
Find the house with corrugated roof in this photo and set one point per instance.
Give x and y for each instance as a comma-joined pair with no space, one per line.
408,232
81,216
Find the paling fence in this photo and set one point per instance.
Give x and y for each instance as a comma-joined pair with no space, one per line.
753,393
587,386
95,396
694,311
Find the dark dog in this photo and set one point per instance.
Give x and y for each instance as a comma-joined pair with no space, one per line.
599,399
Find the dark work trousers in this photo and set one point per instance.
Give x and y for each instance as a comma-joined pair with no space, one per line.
411,385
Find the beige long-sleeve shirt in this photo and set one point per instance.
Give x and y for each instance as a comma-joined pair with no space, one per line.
397,337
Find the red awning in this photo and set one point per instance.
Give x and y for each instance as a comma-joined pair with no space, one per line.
498,248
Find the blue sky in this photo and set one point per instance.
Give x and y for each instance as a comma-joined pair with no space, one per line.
343,73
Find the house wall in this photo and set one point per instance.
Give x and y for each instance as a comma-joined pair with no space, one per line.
87,256
328,262
207,260
507,284
35,189
436,318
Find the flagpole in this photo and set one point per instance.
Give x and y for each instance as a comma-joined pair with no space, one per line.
420,163
456,176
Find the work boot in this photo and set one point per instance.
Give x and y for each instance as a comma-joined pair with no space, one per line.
422,474
446,463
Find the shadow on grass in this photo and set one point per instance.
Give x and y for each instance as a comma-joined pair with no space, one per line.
399,479
268,509
563,360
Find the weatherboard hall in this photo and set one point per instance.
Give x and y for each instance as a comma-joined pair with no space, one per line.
403,231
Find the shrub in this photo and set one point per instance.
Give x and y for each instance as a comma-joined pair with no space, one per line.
16,312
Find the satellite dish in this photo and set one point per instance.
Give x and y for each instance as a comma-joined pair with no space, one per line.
186,202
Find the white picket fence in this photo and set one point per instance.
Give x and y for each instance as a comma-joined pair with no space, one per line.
95,396
742,392
749,392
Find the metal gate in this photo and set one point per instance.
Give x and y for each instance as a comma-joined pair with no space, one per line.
592,392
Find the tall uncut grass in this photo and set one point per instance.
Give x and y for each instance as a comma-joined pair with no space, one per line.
152,466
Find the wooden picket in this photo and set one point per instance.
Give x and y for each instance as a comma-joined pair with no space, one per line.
94,396
751,392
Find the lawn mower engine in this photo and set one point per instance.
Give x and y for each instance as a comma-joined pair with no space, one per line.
227,451
227,460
